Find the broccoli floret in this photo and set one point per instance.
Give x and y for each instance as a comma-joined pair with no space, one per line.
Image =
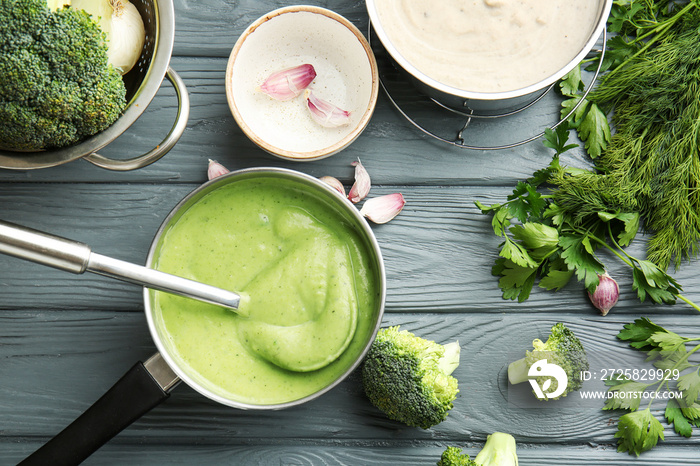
408,377
453,456
563,349
56,86
499,450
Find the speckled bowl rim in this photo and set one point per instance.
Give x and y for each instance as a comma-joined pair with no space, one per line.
319,153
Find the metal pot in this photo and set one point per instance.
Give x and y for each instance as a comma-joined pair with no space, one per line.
142,83
147,384
482,102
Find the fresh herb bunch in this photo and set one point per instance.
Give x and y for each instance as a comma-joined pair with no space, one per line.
651,90
639,430
550,238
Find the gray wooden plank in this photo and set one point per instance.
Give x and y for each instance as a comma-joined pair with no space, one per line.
65,339
56,363
438,252
212,31
294,454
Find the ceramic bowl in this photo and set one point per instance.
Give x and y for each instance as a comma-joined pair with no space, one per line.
346,75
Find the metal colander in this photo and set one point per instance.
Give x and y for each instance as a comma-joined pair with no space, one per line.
142,82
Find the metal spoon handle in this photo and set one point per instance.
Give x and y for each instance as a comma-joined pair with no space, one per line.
75,257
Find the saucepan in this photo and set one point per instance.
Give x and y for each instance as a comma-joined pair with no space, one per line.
317,237
142,84
402,39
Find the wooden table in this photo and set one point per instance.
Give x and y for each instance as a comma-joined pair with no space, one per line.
65,339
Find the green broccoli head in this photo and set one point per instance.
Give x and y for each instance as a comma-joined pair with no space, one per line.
56,86
409,378
562,348
453,456
20,21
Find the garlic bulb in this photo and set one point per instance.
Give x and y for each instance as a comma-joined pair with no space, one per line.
606,294
122,23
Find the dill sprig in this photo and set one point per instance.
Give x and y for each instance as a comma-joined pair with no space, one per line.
652,158
651,88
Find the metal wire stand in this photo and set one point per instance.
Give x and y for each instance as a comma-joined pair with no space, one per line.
387,68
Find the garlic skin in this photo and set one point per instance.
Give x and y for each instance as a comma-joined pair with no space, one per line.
362,185
325,113
288,83
383,208
606,294
215,169
123,25
334,183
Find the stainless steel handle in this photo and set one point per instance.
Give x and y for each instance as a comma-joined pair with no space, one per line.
75,257
183,113
157,280
43,248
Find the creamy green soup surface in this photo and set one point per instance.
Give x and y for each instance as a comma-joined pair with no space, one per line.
488,45
312,294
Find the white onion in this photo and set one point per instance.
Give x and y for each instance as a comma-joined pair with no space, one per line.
57,4
122,23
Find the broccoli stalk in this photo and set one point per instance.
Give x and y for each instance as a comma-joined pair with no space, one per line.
517,370
561,348
499,450
409,378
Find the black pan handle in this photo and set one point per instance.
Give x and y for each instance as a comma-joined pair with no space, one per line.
142,388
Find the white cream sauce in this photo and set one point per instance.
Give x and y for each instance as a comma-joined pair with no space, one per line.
488,45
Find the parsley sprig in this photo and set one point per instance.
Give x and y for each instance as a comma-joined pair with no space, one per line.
639,430
550,238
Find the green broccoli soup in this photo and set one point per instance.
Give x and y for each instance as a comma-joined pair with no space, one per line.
310,292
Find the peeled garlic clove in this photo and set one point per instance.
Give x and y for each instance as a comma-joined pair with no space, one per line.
362,185
606,294
288,83
383,208
325,113
334,183
215,169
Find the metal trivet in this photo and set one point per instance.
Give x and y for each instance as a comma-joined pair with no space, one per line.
405,97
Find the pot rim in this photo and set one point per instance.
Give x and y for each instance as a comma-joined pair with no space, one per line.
606,6
210,186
